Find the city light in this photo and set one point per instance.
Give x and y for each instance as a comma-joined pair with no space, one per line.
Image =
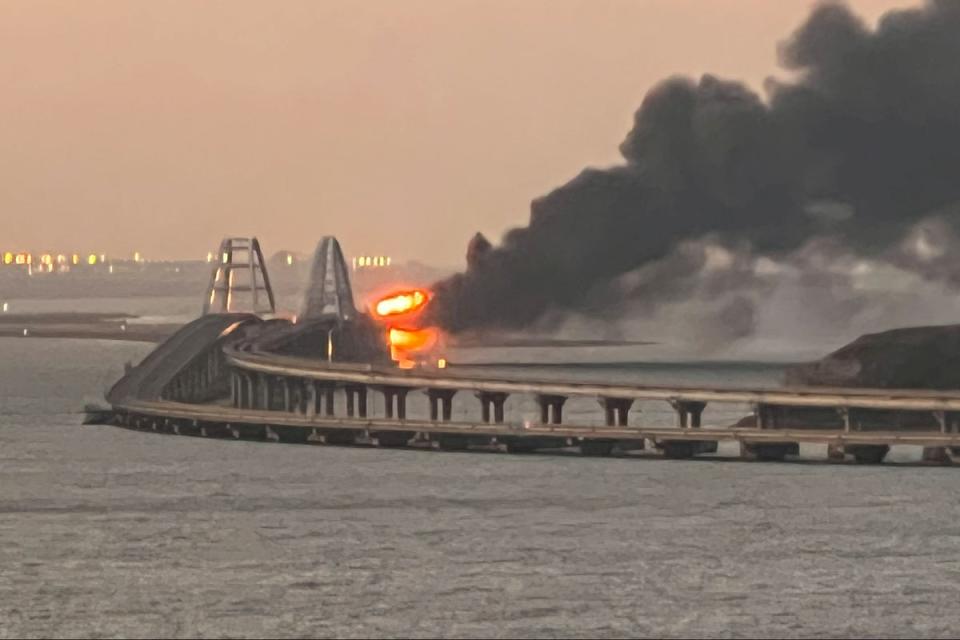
364,262
92,259
8,258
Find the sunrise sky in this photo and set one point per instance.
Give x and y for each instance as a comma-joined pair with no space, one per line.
400,127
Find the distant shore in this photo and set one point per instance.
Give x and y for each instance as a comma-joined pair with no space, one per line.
94,326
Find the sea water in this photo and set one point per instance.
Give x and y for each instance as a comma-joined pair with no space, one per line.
109,532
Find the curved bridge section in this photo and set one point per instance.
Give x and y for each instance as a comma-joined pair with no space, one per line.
195,351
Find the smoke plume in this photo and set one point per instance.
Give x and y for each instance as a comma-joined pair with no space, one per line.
863,147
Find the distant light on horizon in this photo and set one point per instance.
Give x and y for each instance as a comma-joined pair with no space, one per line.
363,262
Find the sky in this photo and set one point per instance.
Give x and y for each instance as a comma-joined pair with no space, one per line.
403,128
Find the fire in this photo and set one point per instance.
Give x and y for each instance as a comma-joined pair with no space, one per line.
402,303
412,339
409,343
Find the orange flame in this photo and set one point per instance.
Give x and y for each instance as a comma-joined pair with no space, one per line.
413,339
398,312
401,303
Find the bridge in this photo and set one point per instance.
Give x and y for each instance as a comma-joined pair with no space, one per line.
228,375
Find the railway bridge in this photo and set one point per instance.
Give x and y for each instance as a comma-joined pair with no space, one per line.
232,374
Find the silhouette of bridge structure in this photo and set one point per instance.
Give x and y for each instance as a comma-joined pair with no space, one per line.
240,372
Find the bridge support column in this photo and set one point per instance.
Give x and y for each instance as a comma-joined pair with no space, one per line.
243,390
356,401
254,390
395,397
323,394
688,413
766,416
263,392
287,395
616,411
844,414
551,408
491,406
234,390
303,397
441,404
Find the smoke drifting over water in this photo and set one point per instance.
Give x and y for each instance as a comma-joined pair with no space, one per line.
721,191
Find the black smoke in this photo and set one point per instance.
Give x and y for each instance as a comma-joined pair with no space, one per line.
861,147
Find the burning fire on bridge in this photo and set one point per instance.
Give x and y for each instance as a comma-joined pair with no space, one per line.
409,342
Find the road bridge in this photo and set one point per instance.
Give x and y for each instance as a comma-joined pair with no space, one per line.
222,375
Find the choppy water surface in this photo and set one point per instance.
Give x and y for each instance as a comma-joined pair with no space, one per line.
106,532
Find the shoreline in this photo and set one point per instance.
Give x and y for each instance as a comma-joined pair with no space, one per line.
95,326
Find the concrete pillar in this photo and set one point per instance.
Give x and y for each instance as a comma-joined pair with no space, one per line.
287,396
362,401
688,413
387,402
313,407
845,416
395,402
551,409
328,396
303,397
263,382
941,418
616,411
356,395
491,406
441,404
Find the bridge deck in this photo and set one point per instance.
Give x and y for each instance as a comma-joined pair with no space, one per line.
884,399
217,414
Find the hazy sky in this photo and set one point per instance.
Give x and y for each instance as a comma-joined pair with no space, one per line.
402,127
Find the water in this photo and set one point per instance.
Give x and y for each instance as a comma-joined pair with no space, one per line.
107,532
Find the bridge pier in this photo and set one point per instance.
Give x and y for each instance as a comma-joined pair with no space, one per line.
689,416
323,395
394,397
441,404
261,395
551,408
235,400
304,396
356,399
287,395
689,413
768,417
616,411
492,402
